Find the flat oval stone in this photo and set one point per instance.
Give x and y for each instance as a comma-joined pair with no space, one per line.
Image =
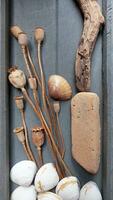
85,130
23,172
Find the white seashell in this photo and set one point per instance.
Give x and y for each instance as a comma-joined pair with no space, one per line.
90,191
68,188
46,178
48,196
25,193
22,173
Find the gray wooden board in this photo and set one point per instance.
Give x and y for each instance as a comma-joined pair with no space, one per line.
4,131
63,23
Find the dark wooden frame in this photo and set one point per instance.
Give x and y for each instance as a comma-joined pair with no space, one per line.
4,147
107,99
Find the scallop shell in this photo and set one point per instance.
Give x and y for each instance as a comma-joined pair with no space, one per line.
25,193
48,196
90,191
59,88
46,178
23,172
68,188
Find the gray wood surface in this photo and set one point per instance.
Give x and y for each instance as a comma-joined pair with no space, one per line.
108,101
4,134
63,24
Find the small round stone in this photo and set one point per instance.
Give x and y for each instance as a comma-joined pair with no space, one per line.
23,172
68,188
90,191
24,193
46,178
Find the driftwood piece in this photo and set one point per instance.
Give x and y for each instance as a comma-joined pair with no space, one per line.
93,19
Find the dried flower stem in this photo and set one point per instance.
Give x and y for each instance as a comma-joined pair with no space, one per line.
17,32
40,155
43,83
47,130
20,105
39,83
44,97
38,140
26,151
32,66
20,133
26,136
26,61
60,138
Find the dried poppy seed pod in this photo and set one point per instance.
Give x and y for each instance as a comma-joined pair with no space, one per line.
19,101
15,30
38,136
32,83
56,106
17,78
22,39
20,134
39,34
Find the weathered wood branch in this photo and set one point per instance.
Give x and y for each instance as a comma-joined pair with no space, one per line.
93,19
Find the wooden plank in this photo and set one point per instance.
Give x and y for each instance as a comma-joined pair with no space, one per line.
4,134
108,101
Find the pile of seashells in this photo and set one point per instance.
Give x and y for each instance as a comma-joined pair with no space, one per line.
24,173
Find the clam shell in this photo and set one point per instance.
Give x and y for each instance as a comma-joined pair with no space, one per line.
90,191
22,173
46,178
59,88
25,193
68,188
48,196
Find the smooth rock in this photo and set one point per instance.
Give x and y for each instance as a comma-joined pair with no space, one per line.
48,196
46,178
90,191
23,172
24,193
68,188
85,130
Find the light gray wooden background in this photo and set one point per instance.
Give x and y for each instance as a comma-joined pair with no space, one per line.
62,21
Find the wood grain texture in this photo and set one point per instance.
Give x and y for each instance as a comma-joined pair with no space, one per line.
93,19
108,102
4,134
